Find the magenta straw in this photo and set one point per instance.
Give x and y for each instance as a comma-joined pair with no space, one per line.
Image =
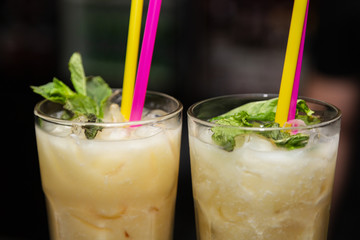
146,54
295,91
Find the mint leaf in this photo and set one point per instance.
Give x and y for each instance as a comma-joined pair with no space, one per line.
284,138
293,141
260,114
225,136
99,90
92,130
260,110
301,106
55,91
274,134
89,98
239,119
81,105
304,113
78,78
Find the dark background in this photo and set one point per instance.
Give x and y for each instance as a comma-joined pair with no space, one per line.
204,48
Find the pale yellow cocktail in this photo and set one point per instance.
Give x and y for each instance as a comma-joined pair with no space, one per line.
258,190
120,185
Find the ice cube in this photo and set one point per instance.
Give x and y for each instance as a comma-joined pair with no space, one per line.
153,114
61,131
114,134
113,114
205,135
146,131
257,143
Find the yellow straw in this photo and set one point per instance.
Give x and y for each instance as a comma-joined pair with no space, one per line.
290,63
131,57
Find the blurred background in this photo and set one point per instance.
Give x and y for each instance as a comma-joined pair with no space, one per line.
204,48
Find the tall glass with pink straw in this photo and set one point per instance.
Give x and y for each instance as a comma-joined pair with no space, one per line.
260,171
105,177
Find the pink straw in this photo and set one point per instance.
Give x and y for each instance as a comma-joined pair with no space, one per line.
146,54
295,92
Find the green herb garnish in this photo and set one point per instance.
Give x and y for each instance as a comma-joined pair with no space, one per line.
89,98
260,114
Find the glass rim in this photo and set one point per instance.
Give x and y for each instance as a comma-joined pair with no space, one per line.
192,116
167,116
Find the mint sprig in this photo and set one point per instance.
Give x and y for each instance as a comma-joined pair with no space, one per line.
78,77
260,114
89,98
